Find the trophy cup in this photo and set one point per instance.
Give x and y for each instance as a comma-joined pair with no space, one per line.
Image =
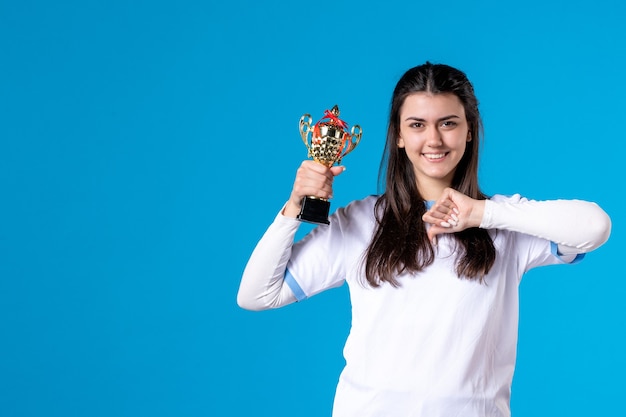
329,143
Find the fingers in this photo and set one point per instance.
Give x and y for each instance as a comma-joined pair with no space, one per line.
453,212
432,233
336,170
444,214
439,225
314,179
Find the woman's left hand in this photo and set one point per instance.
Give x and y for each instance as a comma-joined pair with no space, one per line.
453,212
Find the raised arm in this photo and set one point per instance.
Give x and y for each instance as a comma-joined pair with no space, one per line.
263,285
576,226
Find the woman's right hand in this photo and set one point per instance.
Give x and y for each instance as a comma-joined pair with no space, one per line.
312,179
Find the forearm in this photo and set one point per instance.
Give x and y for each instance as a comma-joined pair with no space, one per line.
262,284
575,226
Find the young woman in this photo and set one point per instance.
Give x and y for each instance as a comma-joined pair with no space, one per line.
433,265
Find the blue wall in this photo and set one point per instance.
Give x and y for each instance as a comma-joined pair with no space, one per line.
146,145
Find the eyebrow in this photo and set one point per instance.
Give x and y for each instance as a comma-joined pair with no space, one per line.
441,119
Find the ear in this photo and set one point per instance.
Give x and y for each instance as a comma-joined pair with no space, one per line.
469,136
400,142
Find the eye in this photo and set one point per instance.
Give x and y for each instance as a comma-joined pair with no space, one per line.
448,123
416,125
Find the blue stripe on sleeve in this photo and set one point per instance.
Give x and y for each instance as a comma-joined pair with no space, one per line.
295,287
554,249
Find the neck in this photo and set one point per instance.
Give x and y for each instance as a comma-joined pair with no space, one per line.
432,189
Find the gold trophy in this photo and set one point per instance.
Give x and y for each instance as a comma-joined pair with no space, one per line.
329,143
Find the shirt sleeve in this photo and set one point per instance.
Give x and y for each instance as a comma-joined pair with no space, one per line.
551,231
533,252
333,254
263,282
317,261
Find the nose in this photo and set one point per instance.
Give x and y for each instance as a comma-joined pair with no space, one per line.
434,138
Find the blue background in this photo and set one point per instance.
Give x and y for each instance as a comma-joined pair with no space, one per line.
146,145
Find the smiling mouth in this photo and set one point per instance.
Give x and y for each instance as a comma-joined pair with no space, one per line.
435,156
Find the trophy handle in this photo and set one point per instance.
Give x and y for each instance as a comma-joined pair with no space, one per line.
352,141
305,129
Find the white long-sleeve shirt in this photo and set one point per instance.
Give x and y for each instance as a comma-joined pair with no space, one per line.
438,345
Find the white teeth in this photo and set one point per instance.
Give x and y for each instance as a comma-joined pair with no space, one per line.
434,155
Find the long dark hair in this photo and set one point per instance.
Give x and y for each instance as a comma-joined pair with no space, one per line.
400,243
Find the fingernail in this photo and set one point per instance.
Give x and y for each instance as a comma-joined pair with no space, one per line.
455,217
456,210
444,224
453,222
435,241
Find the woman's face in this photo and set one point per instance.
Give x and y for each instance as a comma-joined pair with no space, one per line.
434,133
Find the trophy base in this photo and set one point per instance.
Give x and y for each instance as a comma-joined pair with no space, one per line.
314,210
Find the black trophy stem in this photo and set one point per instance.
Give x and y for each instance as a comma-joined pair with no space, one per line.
314,210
